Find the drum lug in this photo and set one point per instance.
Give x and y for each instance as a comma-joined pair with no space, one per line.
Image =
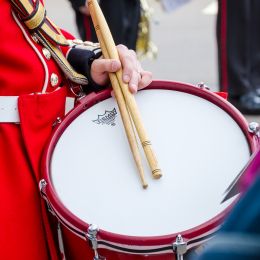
180,247
92,237
60,241
254,128
42,185
57,122
201,85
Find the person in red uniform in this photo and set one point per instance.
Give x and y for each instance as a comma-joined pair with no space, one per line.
35,79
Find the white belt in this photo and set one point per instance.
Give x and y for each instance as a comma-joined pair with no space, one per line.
9,108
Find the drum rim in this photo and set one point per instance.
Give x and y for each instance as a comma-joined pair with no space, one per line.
193,236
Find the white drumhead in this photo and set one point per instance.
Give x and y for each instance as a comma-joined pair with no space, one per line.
200,149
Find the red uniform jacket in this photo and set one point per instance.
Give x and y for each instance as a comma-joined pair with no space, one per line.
25,71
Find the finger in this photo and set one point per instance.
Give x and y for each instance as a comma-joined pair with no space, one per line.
134,82
105,65
146,79
128,60
112,93
100,69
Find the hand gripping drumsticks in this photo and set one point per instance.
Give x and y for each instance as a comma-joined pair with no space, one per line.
125,118
102,29
123,111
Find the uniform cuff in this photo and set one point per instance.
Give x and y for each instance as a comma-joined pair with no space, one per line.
81,57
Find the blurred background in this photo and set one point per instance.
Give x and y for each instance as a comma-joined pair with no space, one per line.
185,37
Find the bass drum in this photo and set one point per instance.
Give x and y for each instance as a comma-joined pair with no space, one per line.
90,178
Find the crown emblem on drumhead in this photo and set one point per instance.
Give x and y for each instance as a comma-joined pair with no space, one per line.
107,118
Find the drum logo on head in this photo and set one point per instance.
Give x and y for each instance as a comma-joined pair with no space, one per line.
107,118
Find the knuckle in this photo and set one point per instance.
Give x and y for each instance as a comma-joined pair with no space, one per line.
128,60
122,47
132,53
147,74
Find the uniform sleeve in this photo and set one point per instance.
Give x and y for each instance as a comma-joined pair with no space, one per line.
81,57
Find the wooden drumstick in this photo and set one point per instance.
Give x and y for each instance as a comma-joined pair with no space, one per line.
129,128
103,29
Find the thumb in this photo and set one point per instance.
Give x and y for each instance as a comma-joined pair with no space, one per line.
100,69
105,65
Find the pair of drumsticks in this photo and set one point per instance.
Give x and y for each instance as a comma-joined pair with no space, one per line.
126,102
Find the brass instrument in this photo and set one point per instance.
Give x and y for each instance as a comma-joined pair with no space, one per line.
145,48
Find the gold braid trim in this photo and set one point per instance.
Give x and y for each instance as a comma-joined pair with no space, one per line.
62,61
58,38
38,21
27,5
37,18
33,15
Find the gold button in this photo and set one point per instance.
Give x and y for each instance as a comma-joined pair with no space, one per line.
54,79
46,53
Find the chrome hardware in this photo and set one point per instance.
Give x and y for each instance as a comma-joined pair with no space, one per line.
180,247
42,186
77,91
254,128
201,85
92,237
57,121
60,241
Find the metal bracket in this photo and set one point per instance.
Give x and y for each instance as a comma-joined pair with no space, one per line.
180,247
254,128
57,122
92,237
76,90
60,241
42,185
201,85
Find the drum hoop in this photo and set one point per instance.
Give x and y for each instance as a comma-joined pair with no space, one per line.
137,244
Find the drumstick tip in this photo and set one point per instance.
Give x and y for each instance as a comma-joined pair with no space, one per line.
145,185
157,174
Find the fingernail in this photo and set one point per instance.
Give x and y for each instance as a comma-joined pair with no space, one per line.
126,78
